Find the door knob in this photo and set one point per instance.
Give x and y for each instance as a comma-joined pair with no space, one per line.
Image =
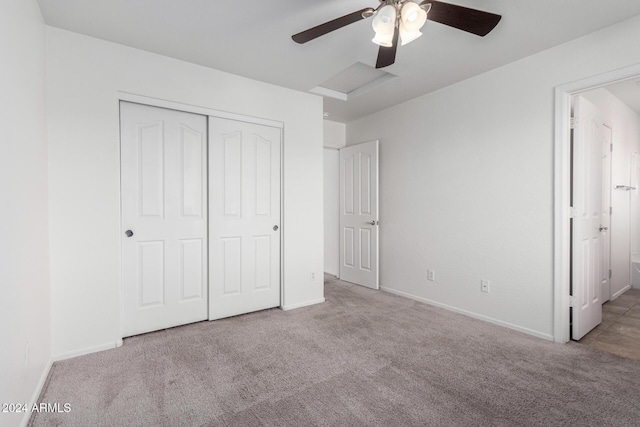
275,228
601,229
129,233
372,222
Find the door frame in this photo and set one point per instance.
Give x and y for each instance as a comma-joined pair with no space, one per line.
607,297
562,190
187,108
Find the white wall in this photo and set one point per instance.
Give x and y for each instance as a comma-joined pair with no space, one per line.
331,210
24,262
84,76
625,131
334,134
334,138
467,183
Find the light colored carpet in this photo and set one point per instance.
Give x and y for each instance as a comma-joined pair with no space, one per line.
362,358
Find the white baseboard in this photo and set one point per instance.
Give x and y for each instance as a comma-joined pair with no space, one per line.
87,350
302,304
36,393
528,331
620,292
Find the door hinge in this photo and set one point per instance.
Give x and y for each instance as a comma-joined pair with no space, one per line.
572,212
573,122
611,147
573,301
610,210
610,273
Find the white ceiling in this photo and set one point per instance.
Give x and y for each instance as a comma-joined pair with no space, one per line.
253,39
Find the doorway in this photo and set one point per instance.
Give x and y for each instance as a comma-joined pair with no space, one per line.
562,194
619,111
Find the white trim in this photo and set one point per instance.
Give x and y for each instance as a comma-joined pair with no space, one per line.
87,350
121,287
205,111
620,292
336,94
323,91
36,393
282,222
370,86
561,190
528,331
561,225
302,304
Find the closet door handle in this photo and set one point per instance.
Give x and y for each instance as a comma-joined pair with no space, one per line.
601,229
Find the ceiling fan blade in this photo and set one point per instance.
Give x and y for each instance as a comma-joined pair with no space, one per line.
327,27
387,55
463,18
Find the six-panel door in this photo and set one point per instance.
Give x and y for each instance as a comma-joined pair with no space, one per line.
587,222
244,217
164,208
359,214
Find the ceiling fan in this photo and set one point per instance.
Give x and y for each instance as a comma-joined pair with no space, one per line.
403,19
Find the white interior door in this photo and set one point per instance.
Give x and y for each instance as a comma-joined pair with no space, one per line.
244,217
605,285
359,214
634,216
164,217
587,219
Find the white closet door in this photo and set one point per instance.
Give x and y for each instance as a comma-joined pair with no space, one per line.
164,217
244,217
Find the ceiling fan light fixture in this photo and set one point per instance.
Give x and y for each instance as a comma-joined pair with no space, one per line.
408,36
384,23
368,13
412,17
395,19
385,40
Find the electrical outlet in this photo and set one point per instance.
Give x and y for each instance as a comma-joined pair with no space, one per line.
431,275
313,276
484,286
